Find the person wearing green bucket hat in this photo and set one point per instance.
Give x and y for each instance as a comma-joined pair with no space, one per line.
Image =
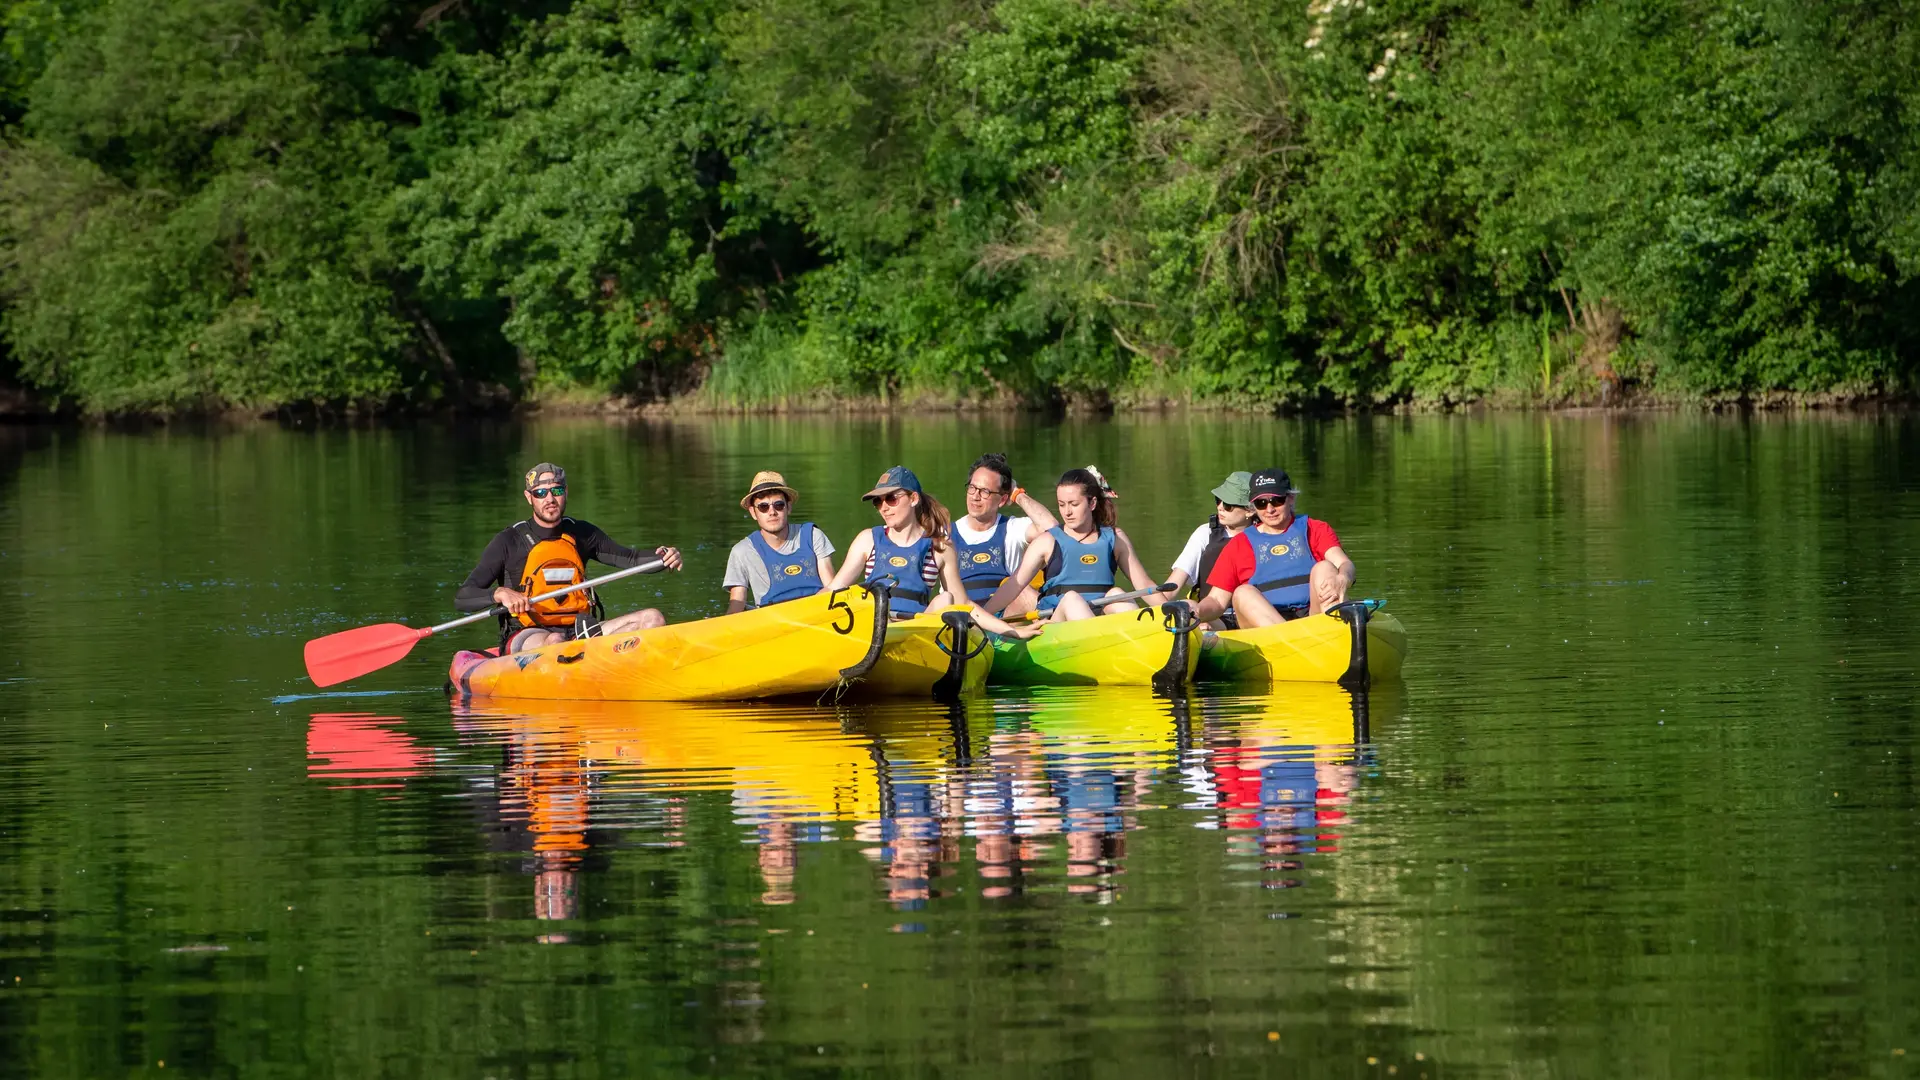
1232,513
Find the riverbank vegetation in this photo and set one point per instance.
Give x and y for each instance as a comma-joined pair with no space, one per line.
328,203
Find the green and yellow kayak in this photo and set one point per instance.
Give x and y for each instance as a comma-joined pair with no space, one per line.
1128,648
1318,648
800,647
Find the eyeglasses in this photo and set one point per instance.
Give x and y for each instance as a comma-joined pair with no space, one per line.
888,499
1269,503
771,506
1224,505
559,490
972,490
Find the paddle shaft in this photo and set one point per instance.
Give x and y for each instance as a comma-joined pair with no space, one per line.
498,610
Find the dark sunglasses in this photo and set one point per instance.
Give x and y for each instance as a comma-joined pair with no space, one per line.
771,506
888,499
1268,504
541,493
1224,505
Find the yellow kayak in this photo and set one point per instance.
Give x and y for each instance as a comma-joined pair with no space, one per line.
1128,648
921,660
1318,648
799,647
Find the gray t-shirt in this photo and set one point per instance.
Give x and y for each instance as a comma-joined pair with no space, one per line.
746,567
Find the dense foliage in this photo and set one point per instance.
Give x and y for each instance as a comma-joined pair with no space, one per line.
330,202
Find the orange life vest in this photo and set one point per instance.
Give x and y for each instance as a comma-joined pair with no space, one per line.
554,564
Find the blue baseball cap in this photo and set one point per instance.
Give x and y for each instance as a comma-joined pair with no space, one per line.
898,478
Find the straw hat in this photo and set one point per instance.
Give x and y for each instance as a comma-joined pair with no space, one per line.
764,482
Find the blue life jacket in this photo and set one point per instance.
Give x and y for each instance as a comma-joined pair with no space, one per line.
792,576
1283,564
983,566
1076,567
899,569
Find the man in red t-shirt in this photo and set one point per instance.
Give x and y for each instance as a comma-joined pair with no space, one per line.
1294,582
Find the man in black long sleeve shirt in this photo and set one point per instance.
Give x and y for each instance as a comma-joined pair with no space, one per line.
503,565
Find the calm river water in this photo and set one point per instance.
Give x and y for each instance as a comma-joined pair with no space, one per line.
1643,803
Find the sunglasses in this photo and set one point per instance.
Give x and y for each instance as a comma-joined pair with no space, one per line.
972,490
888,499
541,493
1268,504
1224,505
771,506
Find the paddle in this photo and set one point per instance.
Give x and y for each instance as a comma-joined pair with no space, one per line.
350,654
1099,602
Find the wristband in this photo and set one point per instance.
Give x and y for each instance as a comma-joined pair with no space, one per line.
1014,496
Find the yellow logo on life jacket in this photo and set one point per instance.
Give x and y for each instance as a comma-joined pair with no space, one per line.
1089,560
897,560
982,557
552,565
791,570
1277,549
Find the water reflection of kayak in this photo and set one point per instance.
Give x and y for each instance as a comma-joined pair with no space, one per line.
1318,648
793,759
801,647
1129,648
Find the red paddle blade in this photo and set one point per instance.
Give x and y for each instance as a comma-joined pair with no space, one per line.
350,654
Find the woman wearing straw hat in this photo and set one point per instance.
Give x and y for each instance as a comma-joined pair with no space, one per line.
779,561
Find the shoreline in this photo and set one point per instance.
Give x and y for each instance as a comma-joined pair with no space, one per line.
20,407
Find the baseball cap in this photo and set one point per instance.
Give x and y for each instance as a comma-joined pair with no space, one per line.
534,474
898,478
1271,482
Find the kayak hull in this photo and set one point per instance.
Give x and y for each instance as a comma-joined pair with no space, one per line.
1318,648
801,647
1129,648
920,659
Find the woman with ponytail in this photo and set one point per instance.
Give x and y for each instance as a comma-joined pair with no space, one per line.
1080,555
909,553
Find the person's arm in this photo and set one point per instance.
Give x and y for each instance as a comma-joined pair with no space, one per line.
1231,570
1136,570
600,547
477,593
948,559
993,624
823,555
1217,600
1030,564
736,599
1039,518
856,564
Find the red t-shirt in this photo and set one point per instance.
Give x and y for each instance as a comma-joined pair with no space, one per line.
1236,563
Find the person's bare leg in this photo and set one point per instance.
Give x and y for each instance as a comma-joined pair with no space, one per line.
1326,578
534,639
1124,605
644,619
1252,608
1072,606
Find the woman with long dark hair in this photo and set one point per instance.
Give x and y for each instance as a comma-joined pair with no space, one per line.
1080,555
